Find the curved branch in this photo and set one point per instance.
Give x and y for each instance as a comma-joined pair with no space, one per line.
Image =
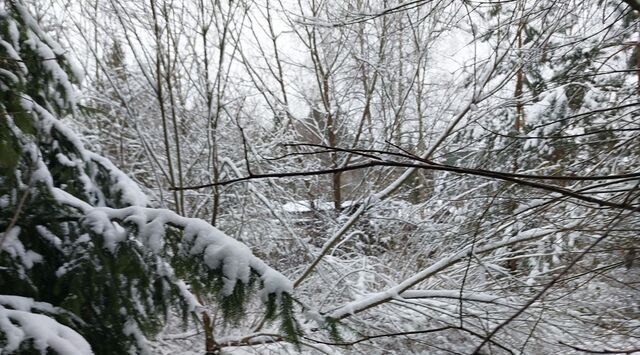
508,177
605,351
414,332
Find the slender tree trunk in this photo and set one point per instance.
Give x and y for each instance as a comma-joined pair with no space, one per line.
160,97
519,82
638,62
170,74
211,347
336,178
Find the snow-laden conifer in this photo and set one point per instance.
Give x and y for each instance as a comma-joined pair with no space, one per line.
85,266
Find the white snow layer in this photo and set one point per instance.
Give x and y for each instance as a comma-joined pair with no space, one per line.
402,289
10,243
131,193
217,249
19,324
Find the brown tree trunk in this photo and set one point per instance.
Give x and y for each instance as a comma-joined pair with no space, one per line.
635,4
519,85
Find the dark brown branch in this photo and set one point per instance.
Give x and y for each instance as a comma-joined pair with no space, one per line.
360,18
414,332
362,152
280,175
590,133
586,114
513,178
634,4
605,351
246,150
386,335
327,149
367,153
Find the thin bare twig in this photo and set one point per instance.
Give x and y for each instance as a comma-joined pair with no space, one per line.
16,215
604,351
414,332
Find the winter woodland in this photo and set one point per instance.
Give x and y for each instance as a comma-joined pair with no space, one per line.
319,177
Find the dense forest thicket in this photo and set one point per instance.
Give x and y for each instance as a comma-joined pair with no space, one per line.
319,176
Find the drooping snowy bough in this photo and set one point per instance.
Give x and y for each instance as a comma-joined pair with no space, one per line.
85,267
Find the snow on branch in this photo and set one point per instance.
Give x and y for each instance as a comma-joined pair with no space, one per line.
19,324
398,291
218,250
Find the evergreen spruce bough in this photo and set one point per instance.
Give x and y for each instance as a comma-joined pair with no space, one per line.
85,266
